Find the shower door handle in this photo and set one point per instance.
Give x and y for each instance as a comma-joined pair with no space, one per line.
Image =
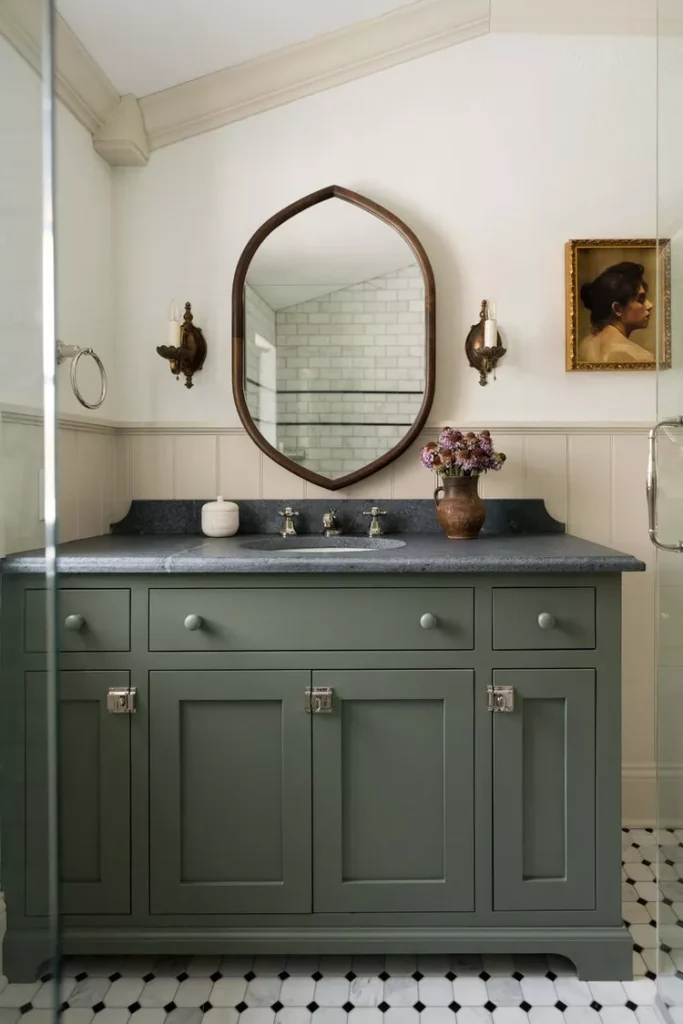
651,485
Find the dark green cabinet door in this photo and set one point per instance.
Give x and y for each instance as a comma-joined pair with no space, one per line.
230,792
393,792
94,796
544,791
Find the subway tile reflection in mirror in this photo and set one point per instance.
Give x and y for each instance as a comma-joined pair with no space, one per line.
335,329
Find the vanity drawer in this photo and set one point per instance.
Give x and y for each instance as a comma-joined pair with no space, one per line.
87,620
311,619
543,618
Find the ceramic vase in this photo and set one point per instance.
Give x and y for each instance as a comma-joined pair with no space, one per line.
460,510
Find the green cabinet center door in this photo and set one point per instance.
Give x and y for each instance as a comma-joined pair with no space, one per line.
230,793
393,792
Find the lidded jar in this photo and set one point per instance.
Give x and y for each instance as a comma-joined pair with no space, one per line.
220,518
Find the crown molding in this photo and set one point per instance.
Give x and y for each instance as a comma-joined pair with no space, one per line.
309,67
80,83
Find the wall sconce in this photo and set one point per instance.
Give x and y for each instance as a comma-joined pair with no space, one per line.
484,347
187,352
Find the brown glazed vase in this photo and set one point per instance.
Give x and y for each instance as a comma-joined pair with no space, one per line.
461,512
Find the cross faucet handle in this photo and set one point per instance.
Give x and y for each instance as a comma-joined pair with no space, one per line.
375,525
289,515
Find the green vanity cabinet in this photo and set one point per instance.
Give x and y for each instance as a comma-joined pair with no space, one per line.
319,763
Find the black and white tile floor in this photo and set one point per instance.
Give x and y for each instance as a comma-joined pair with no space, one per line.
392,989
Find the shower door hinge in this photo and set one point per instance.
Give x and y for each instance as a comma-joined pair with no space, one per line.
500,698
121,700
319,700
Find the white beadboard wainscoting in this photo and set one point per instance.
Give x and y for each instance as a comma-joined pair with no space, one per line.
591,476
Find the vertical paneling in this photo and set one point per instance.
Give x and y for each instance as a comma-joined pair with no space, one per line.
91,472
151,466
589,479
239,467
279,483
411,479
121,501
509,481
195,466
545,471
67,485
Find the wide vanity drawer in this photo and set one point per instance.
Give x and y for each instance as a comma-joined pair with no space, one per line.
310,619
87,620
543,618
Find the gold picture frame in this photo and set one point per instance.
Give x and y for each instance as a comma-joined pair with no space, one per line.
585,258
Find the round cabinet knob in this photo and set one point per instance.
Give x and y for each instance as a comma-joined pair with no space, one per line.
546,620
193,622
74,623
429,621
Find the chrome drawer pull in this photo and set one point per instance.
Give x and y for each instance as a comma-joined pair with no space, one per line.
546,620
74,623
193,622
429,621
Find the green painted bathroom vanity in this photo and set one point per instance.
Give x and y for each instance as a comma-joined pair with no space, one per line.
264,759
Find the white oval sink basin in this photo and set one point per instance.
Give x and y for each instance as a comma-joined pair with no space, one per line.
322,545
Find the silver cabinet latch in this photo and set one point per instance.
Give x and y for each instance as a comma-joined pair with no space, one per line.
500,698
121,700
319,700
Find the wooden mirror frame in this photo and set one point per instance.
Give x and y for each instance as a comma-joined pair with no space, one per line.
238,341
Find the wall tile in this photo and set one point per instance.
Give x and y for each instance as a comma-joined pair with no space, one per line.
151,466
196,466
239,467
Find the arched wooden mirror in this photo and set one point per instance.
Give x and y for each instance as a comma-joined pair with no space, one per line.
333,337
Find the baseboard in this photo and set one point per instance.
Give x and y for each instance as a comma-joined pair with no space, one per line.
652,795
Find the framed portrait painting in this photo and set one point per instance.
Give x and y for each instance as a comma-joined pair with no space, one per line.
618,304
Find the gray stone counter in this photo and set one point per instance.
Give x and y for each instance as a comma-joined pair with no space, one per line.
414,553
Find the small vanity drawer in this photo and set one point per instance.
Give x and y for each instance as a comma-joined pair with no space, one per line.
87,620
543,618
310,619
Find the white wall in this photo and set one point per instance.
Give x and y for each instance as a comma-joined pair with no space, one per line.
496,152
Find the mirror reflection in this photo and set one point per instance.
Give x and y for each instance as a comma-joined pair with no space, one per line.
334,338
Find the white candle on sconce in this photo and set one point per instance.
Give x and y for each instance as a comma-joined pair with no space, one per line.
174,323
490,327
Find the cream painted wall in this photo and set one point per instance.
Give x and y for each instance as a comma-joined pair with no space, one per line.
494,178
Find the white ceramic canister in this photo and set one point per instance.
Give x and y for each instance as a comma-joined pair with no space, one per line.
220,518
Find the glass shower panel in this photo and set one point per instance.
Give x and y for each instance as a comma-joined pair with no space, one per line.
27,499
667,960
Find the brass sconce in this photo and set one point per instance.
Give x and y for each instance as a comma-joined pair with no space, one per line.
483,354
189,355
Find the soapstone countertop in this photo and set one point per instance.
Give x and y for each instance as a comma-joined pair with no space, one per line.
421,553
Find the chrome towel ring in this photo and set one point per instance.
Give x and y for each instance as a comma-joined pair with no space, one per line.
74,353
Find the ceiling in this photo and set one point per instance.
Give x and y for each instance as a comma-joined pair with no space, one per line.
144,46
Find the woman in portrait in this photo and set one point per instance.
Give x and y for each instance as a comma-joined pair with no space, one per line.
619,306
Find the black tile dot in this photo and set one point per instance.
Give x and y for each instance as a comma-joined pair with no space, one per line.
647,863
559,1005
46,977
249,976
664,948
277,1006
170,1007
631,1005
636,846
651,975
630,881
650,830
317,976
64,1007
241,1007
384,976
653,924
114,977
82,976
133,1008
98,1007
627,830
205,1007
419,1006
517,976
312,1007
147,978
182,977
525,1006
642,902
596,1006
26,1008
348,1007
455,1007
417,976
667,902
490,1006
670,863
637,948
679,924
484,976
383,1006
283,975
350,976
449,975
216,976
550,975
